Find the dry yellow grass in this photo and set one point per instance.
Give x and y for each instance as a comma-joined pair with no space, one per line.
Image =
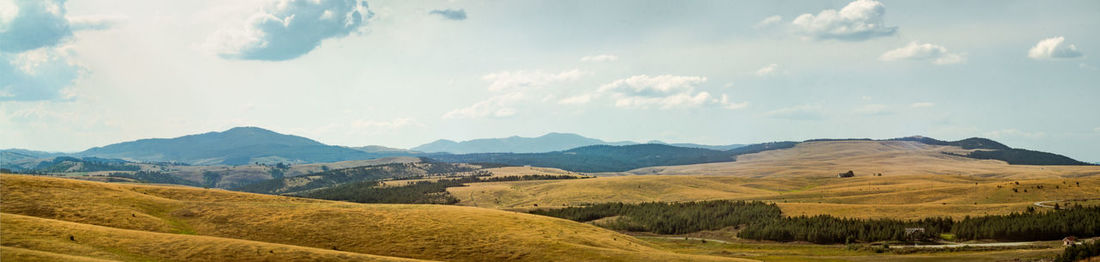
410,231
895,197
32,238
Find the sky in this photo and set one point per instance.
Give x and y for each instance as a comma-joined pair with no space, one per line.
77,74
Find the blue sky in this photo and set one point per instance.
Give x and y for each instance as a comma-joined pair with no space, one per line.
76,74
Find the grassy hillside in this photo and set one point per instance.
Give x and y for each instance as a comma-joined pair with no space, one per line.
827,158
911,196
242,219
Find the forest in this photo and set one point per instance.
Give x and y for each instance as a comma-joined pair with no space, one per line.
763,221
670,218
1077,221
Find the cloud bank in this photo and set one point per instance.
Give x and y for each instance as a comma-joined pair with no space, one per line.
289,29
663,91
859,20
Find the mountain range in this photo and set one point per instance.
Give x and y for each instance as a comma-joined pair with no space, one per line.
245,145
546,143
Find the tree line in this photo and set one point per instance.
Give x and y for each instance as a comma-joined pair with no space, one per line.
765,222
1077,220
671,218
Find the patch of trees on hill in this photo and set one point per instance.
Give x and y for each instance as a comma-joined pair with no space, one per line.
1017,156
969,143
87,164
348,175
757,148
671,218
1076,221
419,192
1079,252
155,178
825,229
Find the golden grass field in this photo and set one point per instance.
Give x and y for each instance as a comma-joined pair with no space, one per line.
146,222
917,181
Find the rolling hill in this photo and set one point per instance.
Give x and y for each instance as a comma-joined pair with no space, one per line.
599,158
236,146
63,219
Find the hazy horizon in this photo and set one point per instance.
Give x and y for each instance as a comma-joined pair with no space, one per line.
80,74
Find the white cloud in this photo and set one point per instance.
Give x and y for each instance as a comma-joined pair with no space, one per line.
725,101
95,22
496,106
768,21
599,58
1054,48
922,104
921,52
507,80
1012,132
30,25
873,110
767,70
799,112
289,29
663,91
859,20
39,74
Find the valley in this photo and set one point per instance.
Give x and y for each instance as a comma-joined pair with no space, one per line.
476,206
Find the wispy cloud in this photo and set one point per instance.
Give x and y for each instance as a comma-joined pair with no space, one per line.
767,70
599,58
506,80
768,22
450,14
924,52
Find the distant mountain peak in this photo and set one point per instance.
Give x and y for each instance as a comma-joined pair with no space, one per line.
238,145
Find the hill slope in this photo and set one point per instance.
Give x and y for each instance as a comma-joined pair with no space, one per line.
827,158
240,145
600,158
409,231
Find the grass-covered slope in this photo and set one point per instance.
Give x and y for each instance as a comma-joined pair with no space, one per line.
255,222
600,158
